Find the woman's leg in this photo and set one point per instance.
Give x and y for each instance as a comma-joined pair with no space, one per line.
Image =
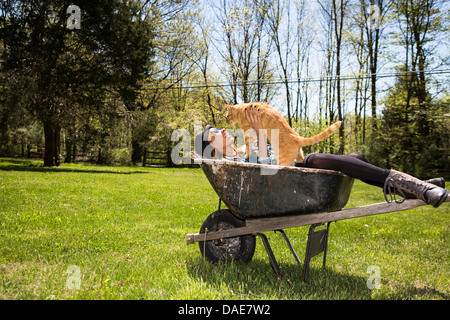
361,157
440,182
354,165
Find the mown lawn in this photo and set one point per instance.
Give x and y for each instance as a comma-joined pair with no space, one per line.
121,232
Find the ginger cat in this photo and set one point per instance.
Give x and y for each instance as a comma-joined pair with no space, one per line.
290,144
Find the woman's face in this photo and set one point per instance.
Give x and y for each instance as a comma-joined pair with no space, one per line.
222,141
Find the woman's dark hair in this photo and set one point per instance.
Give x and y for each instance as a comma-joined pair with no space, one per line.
201,144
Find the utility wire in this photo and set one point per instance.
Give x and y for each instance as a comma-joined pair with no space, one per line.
200,85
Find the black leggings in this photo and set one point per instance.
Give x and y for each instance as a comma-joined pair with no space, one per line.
353,165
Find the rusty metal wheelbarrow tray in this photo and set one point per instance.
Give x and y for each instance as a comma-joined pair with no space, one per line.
260,191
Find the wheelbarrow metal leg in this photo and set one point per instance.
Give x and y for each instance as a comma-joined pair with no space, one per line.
317,243
290,246
270,254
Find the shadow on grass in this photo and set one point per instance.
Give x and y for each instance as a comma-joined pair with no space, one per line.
412,291
28,165
256,280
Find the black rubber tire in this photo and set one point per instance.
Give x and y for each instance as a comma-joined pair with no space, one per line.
239,249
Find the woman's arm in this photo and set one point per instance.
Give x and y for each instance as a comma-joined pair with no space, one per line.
254,119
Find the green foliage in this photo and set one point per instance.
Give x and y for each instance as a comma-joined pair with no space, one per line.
60,73
413,134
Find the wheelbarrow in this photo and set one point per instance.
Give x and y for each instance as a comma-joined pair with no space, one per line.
262,198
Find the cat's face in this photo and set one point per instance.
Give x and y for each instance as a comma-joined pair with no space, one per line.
231,116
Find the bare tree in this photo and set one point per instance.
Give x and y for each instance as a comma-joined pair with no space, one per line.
239,44
278,16
304,40
374,12
335,12
203,62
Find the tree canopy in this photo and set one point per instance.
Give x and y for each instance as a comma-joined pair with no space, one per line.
113,79
61,73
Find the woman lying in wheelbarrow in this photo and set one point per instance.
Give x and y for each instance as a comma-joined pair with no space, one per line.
218,143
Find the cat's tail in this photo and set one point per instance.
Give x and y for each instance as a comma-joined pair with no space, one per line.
321,136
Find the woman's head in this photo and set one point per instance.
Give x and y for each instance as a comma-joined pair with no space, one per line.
213,142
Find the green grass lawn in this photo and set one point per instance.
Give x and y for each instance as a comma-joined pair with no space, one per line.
122,230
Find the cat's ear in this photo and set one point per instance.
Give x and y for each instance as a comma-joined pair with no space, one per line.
228,106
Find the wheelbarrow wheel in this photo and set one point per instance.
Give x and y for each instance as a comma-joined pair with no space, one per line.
239,249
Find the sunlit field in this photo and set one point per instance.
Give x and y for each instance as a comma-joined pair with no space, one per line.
103,232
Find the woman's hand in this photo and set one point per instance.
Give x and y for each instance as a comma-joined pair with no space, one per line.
254,119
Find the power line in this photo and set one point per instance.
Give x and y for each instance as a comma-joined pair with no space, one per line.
201,85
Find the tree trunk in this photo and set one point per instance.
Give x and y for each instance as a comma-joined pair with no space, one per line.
74,152
52,143
136,155
208,94
339,14
373,76
69,149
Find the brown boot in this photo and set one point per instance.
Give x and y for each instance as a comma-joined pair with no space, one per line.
407,184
